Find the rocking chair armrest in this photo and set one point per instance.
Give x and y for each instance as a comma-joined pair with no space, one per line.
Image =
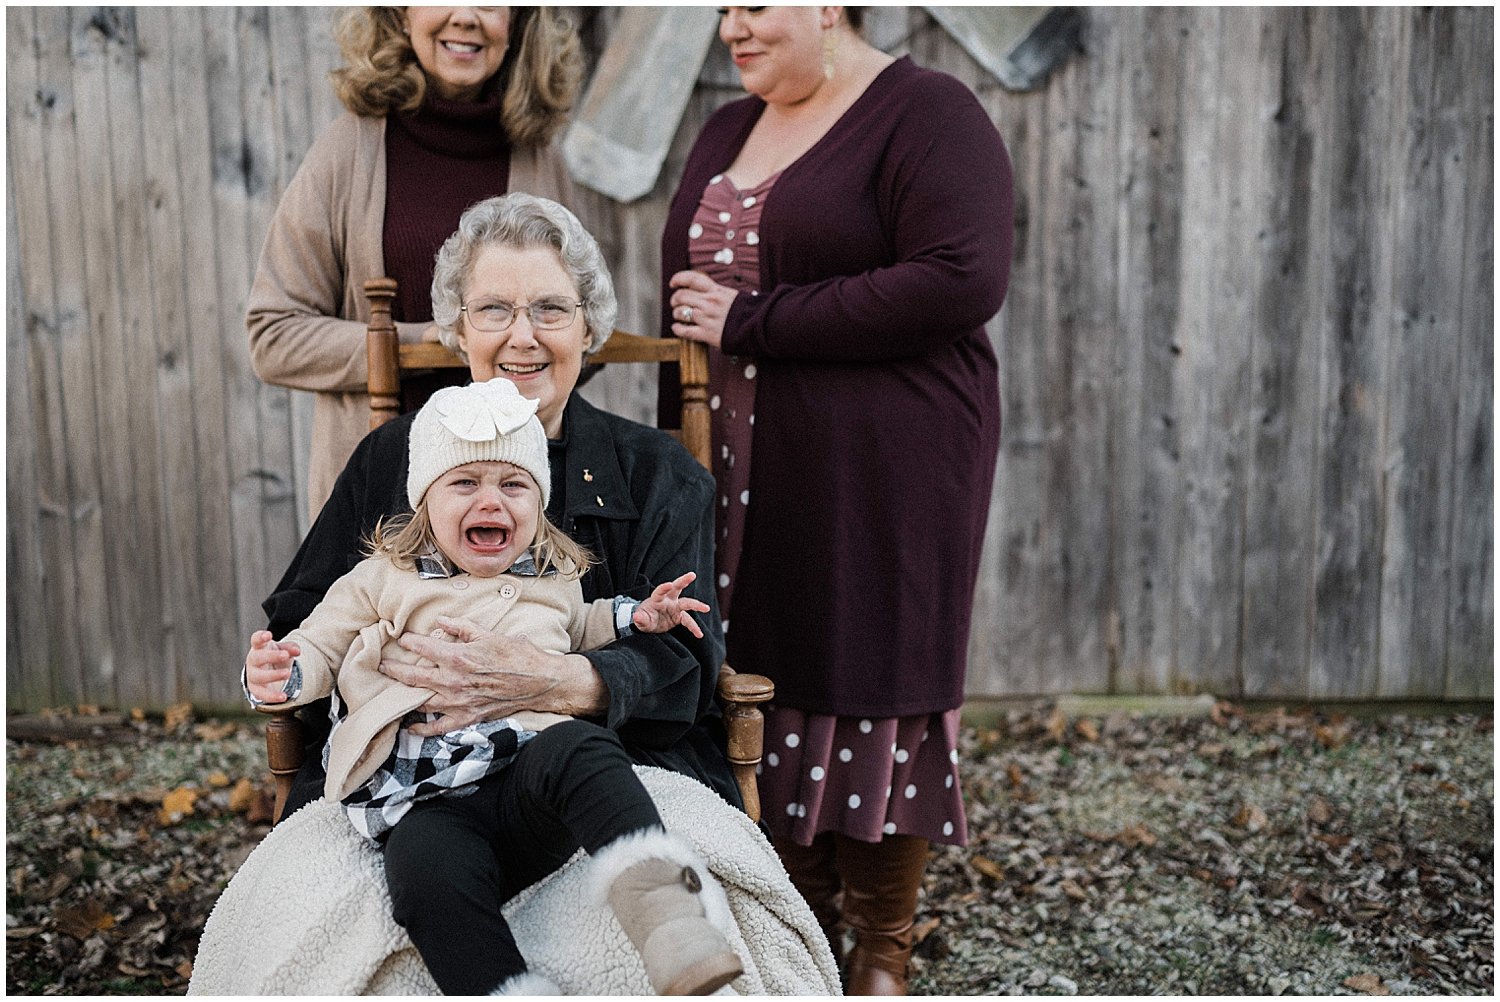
285,738
741,696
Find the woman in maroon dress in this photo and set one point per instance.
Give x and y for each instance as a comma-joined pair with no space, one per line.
842,236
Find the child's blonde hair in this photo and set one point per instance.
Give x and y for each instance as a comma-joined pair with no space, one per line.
401,539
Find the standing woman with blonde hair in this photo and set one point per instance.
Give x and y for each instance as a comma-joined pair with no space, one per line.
842,236
447,106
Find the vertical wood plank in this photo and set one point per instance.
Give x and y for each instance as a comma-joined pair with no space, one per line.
88,659
33,660
1424,353
1355,353
1282,455
1471,623
1146,439
1213,367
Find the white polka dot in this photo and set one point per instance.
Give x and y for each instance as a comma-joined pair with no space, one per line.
725,256
791,810
816,775
723,217
801,810
724,624
723,580
750,371
744,497
893,749
901,755
925,735
865,726
714,403
793,740
947,827
695,231
752,420
888,793
773,760
953,756
853,801
729,462
724,501
749,201
725,451
890,828
752,238
910,791
947,782
716,179
845,755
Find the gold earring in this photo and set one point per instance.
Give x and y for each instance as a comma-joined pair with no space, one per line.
830,49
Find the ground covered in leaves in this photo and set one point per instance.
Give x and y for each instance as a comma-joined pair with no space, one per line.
1240,853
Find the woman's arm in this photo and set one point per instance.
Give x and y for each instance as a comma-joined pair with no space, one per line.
946,198
300,335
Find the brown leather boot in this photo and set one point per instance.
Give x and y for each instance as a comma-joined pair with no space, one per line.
812,870
881,880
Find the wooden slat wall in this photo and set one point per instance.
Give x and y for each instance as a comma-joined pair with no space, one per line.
1248,349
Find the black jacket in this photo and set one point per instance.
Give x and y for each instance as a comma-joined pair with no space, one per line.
641,505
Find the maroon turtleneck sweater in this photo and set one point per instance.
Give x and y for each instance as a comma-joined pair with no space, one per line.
439,160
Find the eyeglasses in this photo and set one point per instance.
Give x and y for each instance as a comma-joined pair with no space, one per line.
494,316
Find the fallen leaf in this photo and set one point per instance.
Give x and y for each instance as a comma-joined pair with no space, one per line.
215,731
184,969
137,714
242,796
923,929
1087,730
177,805
1136,836
1072,890
1332,735
1318,811
88,710
1211,750
177,715
83,921
1015,775
1369,984
1057,725
988,867
217,780
1250,817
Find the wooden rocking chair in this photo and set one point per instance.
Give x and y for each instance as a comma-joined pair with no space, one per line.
390,362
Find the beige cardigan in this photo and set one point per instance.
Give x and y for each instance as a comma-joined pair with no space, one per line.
307,311
366,610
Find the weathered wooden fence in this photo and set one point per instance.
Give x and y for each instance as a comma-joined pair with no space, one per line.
1247,353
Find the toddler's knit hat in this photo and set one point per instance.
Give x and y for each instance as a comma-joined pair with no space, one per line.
487,421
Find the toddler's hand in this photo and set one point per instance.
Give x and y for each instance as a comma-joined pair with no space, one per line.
667,608
268,666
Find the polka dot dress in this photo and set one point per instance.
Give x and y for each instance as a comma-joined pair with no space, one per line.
723,243
864,777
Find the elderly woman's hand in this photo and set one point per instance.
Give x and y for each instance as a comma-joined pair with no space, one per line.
485,676
699,307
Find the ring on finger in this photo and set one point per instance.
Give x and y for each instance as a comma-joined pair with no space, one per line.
686,314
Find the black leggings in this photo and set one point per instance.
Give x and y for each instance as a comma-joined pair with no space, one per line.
451,862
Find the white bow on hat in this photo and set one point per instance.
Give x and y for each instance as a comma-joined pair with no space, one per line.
481,412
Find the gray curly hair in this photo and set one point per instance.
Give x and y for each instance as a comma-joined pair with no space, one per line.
519,220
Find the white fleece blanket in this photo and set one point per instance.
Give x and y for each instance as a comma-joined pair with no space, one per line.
308,914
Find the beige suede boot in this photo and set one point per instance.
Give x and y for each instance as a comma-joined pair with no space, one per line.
672,909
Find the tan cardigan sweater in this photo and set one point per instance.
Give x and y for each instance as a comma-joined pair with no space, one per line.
307,310
366,610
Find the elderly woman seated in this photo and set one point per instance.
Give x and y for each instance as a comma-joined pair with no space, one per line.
642,506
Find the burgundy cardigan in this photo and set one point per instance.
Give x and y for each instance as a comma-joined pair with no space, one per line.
884,250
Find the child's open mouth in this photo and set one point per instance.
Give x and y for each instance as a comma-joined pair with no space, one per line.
487,537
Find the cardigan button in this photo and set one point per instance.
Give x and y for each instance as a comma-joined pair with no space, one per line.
507,590
460,584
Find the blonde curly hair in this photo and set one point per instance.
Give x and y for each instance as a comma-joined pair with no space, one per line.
540,74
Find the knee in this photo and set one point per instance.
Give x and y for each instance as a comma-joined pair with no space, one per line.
431,868
572,737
